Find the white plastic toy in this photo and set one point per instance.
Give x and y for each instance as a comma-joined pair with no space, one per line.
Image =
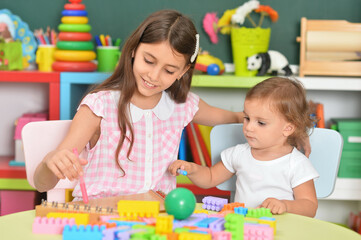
269,62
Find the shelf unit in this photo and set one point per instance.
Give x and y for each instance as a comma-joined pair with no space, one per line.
71,93
66,90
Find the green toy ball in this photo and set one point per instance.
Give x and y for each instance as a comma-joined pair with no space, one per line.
180,203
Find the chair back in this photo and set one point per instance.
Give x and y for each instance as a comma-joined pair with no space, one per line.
326,149
39,138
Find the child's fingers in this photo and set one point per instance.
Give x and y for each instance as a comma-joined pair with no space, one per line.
76,162
68,169
56,171
83,161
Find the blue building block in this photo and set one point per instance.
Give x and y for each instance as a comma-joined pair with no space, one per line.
89,232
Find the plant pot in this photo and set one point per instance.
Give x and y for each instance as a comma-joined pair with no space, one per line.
245,43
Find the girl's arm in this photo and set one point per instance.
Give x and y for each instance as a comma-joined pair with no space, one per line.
305,202
62,162
211,116
204,177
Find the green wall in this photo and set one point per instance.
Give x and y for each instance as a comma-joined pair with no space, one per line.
120,17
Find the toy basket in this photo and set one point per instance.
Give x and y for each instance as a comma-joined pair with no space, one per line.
245,43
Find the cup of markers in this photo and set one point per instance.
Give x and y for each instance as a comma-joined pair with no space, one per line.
108,53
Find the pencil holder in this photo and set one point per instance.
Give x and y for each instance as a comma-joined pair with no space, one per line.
108,57
45,57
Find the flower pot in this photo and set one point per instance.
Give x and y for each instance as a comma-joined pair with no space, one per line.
245,43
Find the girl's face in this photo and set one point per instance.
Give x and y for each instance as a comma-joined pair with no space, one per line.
156,66
263,127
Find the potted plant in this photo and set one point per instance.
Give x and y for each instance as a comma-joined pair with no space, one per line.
247,35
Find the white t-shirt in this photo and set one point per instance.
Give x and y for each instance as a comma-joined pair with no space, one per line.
259,180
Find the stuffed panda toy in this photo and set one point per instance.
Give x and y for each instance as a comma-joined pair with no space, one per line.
269,62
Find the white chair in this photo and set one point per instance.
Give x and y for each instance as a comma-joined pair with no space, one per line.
326,149
39,138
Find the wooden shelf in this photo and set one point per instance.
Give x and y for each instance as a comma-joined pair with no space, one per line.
310,83
347,189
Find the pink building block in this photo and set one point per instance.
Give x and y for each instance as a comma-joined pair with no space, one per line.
257,231
223,235
26,118
44,225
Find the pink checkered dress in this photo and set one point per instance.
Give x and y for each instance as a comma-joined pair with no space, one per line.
157,135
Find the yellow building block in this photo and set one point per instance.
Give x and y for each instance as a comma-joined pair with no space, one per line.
201,211
80,218
194,236
135,209
164,224
271,223
68,195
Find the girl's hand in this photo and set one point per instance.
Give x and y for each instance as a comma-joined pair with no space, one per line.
179,164
276,206
304,144
65,164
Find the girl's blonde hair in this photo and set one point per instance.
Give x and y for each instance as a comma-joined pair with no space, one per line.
288,97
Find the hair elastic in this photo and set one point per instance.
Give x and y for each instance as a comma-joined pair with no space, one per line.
193,57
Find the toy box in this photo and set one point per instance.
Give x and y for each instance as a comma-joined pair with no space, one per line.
350,165
20,123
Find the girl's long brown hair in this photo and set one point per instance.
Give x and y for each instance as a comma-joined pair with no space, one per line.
164,25
288,97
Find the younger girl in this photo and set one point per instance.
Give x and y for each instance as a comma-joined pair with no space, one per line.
130,125
270,171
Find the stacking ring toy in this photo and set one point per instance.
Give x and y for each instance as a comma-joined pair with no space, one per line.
74,27
75,20
74,66
74,13
74,45
75,1
74,36
74,55
74,6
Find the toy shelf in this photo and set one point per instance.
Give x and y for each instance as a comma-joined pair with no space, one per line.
12,178
52,78
73,86
310,83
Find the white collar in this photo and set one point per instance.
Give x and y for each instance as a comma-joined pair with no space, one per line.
163,110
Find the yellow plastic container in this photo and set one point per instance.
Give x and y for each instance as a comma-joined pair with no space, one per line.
245,43
45,57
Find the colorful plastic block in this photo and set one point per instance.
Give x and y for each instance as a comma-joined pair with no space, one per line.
112,233
126,223
194,236
144,231
193,219
241,210
44,225
214,203
234,224
158,237
164,224
259,212
257,231
217,225
80,218
223,235
205,222
270,221
90,233
135,209
231,206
